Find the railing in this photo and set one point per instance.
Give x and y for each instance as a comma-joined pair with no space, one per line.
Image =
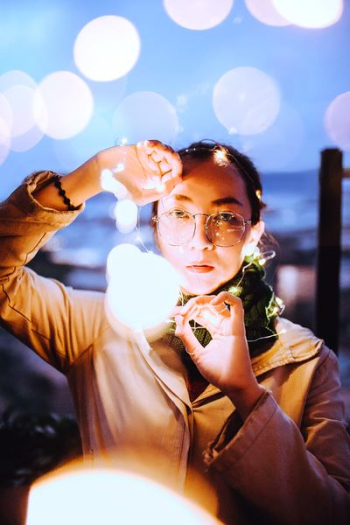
329,247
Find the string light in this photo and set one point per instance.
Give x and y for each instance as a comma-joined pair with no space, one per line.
220,157
110,183
126,213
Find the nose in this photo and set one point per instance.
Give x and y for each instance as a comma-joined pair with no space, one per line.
200,240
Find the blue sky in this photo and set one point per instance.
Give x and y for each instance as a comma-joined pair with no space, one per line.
309,66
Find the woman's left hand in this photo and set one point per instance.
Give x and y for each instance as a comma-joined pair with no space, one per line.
225,361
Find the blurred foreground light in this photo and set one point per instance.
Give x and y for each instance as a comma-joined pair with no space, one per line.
63,105
337,121
146,114
142,291
246,101
198,14
266,12
106,497
126,213
312,14
107,48
119,257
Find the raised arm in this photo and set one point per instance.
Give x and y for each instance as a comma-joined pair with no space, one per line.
149,170
57,322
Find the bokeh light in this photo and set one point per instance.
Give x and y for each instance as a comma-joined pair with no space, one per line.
15,77
126,214
5,140
107,95
280,144
104,496
266,12
198,14
312,14
6,112
337,121
21,100
107,48
246,101
28,140
146,114
96,136
143,289
63,105
17,97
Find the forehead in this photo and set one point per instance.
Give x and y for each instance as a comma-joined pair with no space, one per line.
207,181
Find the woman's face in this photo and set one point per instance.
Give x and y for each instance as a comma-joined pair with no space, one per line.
208,188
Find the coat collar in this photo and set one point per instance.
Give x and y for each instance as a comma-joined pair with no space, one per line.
294,344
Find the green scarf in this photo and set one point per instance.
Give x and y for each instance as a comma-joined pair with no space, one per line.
260,304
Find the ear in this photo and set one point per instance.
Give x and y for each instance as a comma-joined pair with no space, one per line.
256,232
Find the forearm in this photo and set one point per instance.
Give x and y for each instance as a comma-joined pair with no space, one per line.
79,185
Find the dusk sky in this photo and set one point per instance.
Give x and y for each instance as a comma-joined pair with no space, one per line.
280,93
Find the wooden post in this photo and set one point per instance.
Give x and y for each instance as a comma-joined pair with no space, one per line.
329,247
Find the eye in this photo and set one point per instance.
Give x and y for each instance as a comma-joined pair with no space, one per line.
178,214
230,217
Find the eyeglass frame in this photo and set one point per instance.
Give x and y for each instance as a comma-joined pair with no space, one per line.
156,218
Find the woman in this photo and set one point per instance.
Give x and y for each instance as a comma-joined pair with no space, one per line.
236,407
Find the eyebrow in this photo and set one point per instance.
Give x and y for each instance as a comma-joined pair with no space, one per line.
217,202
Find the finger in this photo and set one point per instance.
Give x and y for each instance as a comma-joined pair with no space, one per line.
166,187
163,153
228,298
236,308
195,302
184,332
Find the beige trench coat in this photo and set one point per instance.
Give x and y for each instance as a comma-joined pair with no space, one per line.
289,463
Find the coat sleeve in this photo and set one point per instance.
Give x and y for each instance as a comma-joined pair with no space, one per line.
292,475
57,322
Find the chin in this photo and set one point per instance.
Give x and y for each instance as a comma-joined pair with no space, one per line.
198,288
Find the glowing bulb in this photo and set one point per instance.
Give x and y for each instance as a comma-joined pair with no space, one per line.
125,498
262,261
155,184
142,292
221,157
206,314
110,183
119,256
234,290
126,214
120,167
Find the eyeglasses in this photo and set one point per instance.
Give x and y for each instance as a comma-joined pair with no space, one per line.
178,227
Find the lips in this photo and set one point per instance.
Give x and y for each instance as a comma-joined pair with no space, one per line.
200,268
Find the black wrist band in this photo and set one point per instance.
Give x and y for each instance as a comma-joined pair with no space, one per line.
57,182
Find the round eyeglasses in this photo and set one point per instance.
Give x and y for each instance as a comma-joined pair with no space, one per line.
177,227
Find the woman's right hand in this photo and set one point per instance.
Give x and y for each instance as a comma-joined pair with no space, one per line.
149,170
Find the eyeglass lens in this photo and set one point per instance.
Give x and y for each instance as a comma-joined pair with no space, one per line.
223,229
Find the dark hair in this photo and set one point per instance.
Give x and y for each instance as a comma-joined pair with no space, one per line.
206,149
